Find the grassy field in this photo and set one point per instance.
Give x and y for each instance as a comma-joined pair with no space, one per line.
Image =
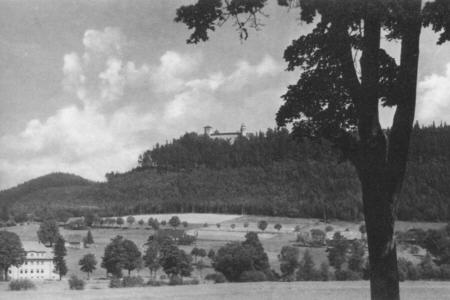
347,290
210,237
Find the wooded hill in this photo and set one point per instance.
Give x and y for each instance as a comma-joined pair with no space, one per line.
266,174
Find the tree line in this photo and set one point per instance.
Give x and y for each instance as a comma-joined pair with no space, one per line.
267,173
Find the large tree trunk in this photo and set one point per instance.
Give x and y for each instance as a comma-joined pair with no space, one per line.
379,216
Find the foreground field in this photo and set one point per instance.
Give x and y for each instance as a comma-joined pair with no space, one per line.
348,290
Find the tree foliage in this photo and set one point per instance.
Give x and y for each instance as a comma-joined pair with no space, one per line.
174,261
289,262
88,263
11,251
48,232
59,253
235,258
120,254
151,256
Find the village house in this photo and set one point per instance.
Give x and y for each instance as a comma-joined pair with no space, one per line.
74,241
38,263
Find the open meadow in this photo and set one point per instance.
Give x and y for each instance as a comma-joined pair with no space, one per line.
209,236
348,290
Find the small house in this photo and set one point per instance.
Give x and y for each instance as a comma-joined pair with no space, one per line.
74,241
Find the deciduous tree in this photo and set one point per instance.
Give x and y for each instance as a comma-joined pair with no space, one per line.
338,94
48,232
88,263
11,251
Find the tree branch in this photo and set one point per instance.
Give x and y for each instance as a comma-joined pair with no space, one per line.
404,114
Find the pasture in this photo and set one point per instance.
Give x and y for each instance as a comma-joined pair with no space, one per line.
209,237
344,290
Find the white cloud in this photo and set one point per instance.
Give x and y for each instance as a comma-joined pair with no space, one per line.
246,72
92,137
169,76
100,75
434,98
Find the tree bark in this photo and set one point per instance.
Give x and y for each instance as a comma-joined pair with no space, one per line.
379,217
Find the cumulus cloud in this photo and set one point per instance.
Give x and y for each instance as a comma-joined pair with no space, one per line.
169,76
434,98
87,139
99,75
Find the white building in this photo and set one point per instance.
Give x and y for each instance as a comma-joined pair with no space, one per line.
231,136
38,263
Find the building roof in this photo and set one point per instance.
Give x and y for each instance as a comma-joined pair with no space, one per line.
74,238
32,247
75,219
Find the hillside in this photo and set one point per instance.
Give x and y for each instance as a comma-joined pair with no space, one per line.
48,190
266,174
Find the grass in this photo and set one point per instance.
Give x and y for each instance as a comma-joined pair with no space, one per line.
348,290
210,237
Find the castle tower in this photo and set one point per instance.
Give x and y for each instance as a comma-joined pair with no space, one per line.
207,130
243,129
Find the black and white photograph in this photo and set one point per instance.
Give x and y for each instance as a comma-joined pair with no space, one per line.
224,149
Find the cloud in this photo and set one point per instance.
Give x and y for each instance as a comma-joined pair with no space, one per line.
434,98
246,72
99,75
107,126
169,76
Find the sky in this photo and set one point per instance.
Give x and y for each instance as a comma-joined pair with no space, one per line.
87,86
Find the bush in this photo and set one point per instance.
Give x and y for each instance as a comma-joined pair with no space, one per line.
152,282
76,283
163,277
21,285
175,280
445,272
132,281
115,283
343,275
252,276
329,228
186,239
216,277
11,223
193,281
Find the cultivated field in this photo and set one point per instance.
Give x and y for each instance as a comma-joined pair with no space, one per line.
345,290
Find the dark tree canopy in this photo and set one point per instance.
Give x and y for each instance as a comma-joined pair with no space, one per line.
88,263
59,253
48,232
174,261
11,251
234,259
120,254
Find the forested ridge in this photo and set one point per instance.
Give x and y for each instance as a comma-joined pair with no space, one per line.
265,173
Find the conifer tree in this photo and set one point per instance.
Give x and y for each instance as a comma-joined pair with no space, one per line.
59,253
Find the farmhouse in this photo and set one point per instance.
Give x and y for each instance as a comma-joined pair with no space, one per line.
75,223
38,263
74,241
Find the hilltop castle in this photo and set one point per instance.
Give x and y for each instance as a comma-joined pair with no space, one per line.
225,135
